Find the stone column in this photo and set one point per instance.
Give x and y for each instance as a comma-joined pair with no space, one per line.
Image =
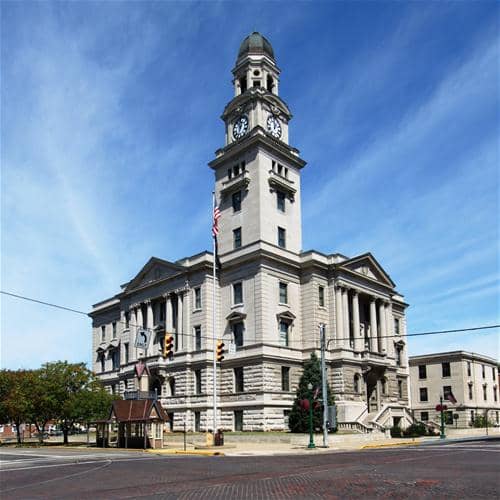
358,340
149,325
133,334
373,326
339,318
139,324
345,317
383,329
389,321
180,321
169,315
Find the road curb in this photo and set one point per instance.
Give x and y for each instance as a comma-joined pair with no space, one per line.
389,445
206,453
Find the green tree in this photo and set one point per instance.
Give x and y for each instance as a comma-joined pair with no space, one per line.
15,403
299,418
79,396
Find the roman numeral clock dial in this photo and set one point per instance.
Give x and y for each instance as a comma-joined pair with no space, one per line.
240,127
274,126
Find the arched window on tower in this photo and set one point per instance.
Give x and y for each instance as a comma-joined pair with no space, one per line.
270,83
243,84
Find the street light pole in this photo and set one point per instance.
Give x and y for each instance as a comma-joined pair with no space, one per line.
311,440
442,435
323,384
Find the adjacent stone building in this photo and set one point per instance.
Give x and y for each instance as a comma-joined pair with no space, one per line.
270,295
471,378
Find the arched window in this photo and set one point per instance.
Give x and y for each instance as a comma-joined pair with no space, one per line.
383,386
270,83
356,383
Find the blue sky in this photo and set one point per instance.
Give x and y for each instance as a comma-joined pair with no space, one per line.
110,113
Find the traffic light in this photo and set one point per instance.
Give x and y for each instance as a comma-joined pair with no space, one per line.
220,351
168,346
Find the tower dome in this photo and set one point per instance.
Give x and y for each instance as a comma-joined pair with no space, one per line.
255,43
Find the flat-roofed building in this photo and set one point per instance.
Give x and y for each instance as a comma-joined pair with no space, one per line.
472,380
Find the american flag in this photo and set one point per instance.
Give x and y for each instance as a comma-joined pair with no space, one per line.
450,397
215,223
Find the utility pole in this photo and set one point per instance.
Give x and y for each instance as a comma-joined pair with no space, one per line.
324,393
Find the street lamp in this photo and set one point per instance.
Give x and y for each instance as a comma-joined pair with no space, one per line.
311,441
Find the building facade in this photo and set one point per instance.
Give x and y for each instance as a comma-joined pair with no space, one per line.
471,378
270,296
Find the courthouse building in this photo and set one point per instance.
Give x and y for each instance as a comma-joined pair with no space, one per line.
270,295
471,378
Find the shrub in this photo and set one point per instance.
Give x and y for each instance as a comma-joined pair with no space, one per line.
414,430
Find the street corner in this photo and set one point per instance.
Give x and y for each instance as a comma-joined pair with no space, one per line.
390,445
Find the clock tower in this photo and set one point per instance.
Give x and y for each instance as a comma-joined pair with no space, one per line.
257,172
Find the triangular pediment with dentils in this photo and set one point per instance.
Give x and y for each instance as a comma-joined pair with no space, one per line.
366,265
154,270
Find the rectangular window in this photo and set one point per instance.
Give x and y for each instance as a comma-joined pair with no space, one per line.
239,383
161,306
321,296
229,173
283,293
495,396
285,378
238,329
446,391
197,298
102,361
493,372
114,329
197,421
424,416
485,392
445,369
470,392
423,394
115,358
284,326
197,338
197,381
396,326
483,370
281,237
126,352
398,355
237,293
422,372
469,371
103,333
238,420
448,417
280,201
158,430
236,201
237,237
127,319
400,389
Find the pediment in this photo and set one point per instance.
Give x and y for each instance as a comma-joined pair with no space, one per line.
154,270
366,265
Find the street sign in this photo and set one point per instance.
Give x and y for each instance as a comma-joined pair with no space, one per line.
441,407
142,339
231,348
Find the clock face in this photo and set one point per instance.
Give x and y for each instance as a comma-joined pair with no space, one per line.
240,127
274,126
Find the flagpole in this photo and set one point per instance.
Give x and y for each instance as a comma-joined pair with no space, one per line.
213,327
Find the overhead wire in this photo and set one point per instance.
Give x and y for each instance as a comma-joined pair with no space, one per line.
339,339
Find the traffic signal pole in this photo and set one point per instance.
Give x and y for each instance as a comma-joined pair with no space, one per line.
323,384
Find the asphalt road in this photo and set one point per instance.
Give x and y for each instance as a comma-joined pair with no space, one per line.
455,470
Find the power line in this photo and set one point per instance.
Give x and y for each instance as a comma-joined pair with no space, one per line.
435,332
44,303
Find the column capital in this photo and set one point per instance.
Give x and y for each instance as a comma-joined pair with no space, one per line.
147,302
